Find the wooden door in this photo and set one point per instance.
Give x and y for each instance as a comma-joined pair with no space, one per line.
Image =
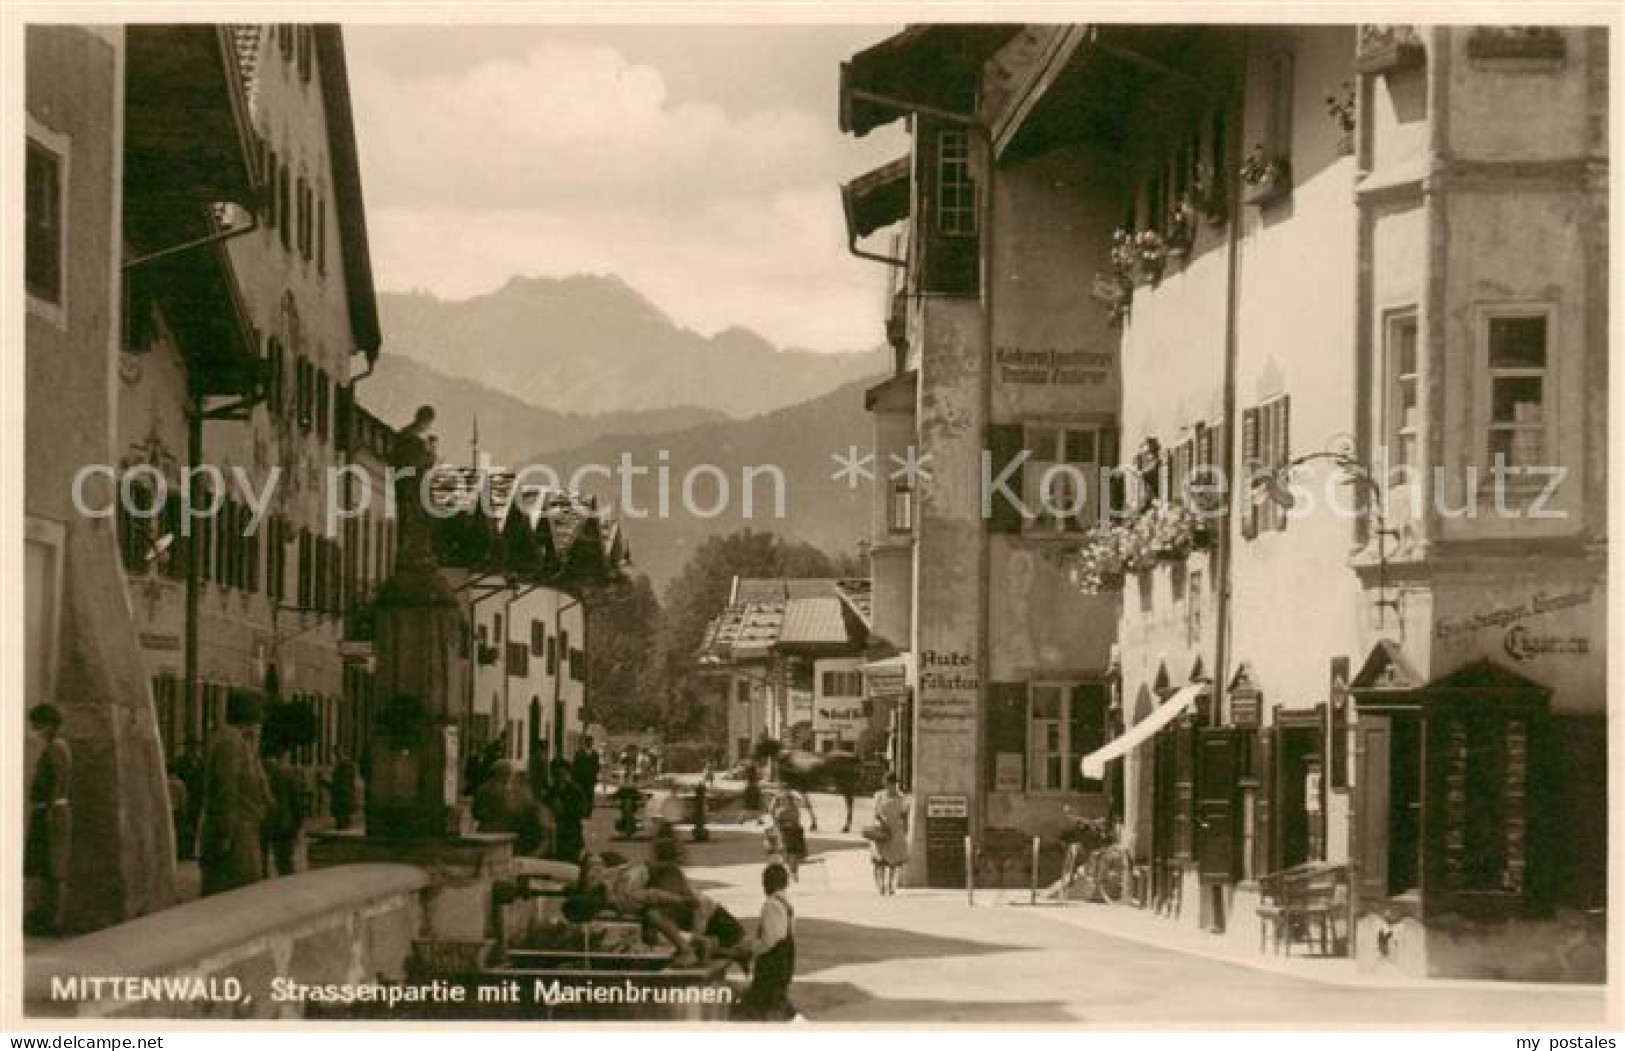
1371,806
1215,803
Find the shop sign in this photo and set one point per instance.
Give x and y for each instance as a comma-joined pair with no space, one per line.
1053,367
947,822
949,688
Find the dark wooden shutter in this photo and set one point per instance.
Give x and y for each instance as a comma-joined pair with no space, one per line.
1116,496
1215,806
1184,789
1265,857
1249,462
1086,732
1005,444
1371,805
1005,727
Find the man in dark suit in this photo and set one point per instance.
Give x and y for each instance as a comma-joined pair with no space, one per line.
235,799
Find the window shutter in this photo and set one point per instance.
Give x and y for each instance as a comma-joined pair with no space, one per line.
1086,732
1006,725
1249,463
1005,444
1264,857
1283,448
1371,807
1116,497
1184,788
1217,436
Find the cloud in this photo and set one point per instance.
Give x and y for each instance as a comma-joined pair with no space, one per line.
573,159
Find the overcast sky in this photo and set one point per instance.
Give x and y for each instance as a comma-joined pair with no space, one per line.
701,164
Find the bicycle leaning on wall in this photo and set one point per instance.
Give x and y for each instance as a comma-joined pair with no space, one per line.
1097,867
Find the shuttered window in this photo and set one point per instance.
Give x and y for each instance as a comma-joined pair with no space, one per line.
1265,449
1005,446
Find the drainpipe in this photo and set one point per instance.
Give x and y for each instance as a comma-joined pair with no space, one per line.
1232,346
218,237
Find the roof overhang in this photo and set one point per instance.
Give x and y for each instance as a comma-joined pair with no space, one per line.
362,298
188,149
928,68
187,132
894,395
877,199
1086,80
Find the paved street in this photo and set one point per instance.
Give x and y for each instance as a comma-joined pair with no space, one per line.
925,956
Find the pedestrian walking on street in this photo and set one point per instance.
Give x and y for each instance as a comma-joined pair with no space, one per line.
786,815
773,966
752,800
569,811
341,788
285,819
48,839
888,836
585,771
235,799
179,805
190,770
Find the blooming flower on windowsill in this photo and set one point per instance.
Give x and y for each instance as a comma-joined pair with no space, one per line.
1162,532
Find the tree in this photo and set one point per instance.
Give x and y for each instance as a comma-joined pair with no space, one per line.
626,688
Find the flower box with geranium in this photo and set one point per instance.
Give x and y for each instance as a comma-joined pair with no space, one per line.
1388,49
1266,175
1163,532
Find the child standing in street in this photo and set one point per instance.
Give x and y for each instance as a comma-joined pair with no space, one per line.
774,954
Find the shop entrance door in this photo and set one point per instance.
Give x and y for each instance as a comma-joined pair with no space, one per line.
1293,810
1216,781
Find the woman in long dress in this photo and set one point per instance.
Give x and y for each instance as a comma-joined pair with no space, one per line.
890,850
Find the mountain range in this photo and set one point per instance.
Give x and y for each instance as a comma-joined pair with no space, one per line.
593,344
509,428
583,370
801,441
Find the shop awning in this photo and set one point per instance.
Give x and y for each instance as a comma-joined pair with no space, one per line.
1094,764
877,199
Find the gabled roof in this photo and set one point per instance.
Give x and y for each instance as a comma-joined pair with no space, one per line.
557,519
1386,668
813,621
806,615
